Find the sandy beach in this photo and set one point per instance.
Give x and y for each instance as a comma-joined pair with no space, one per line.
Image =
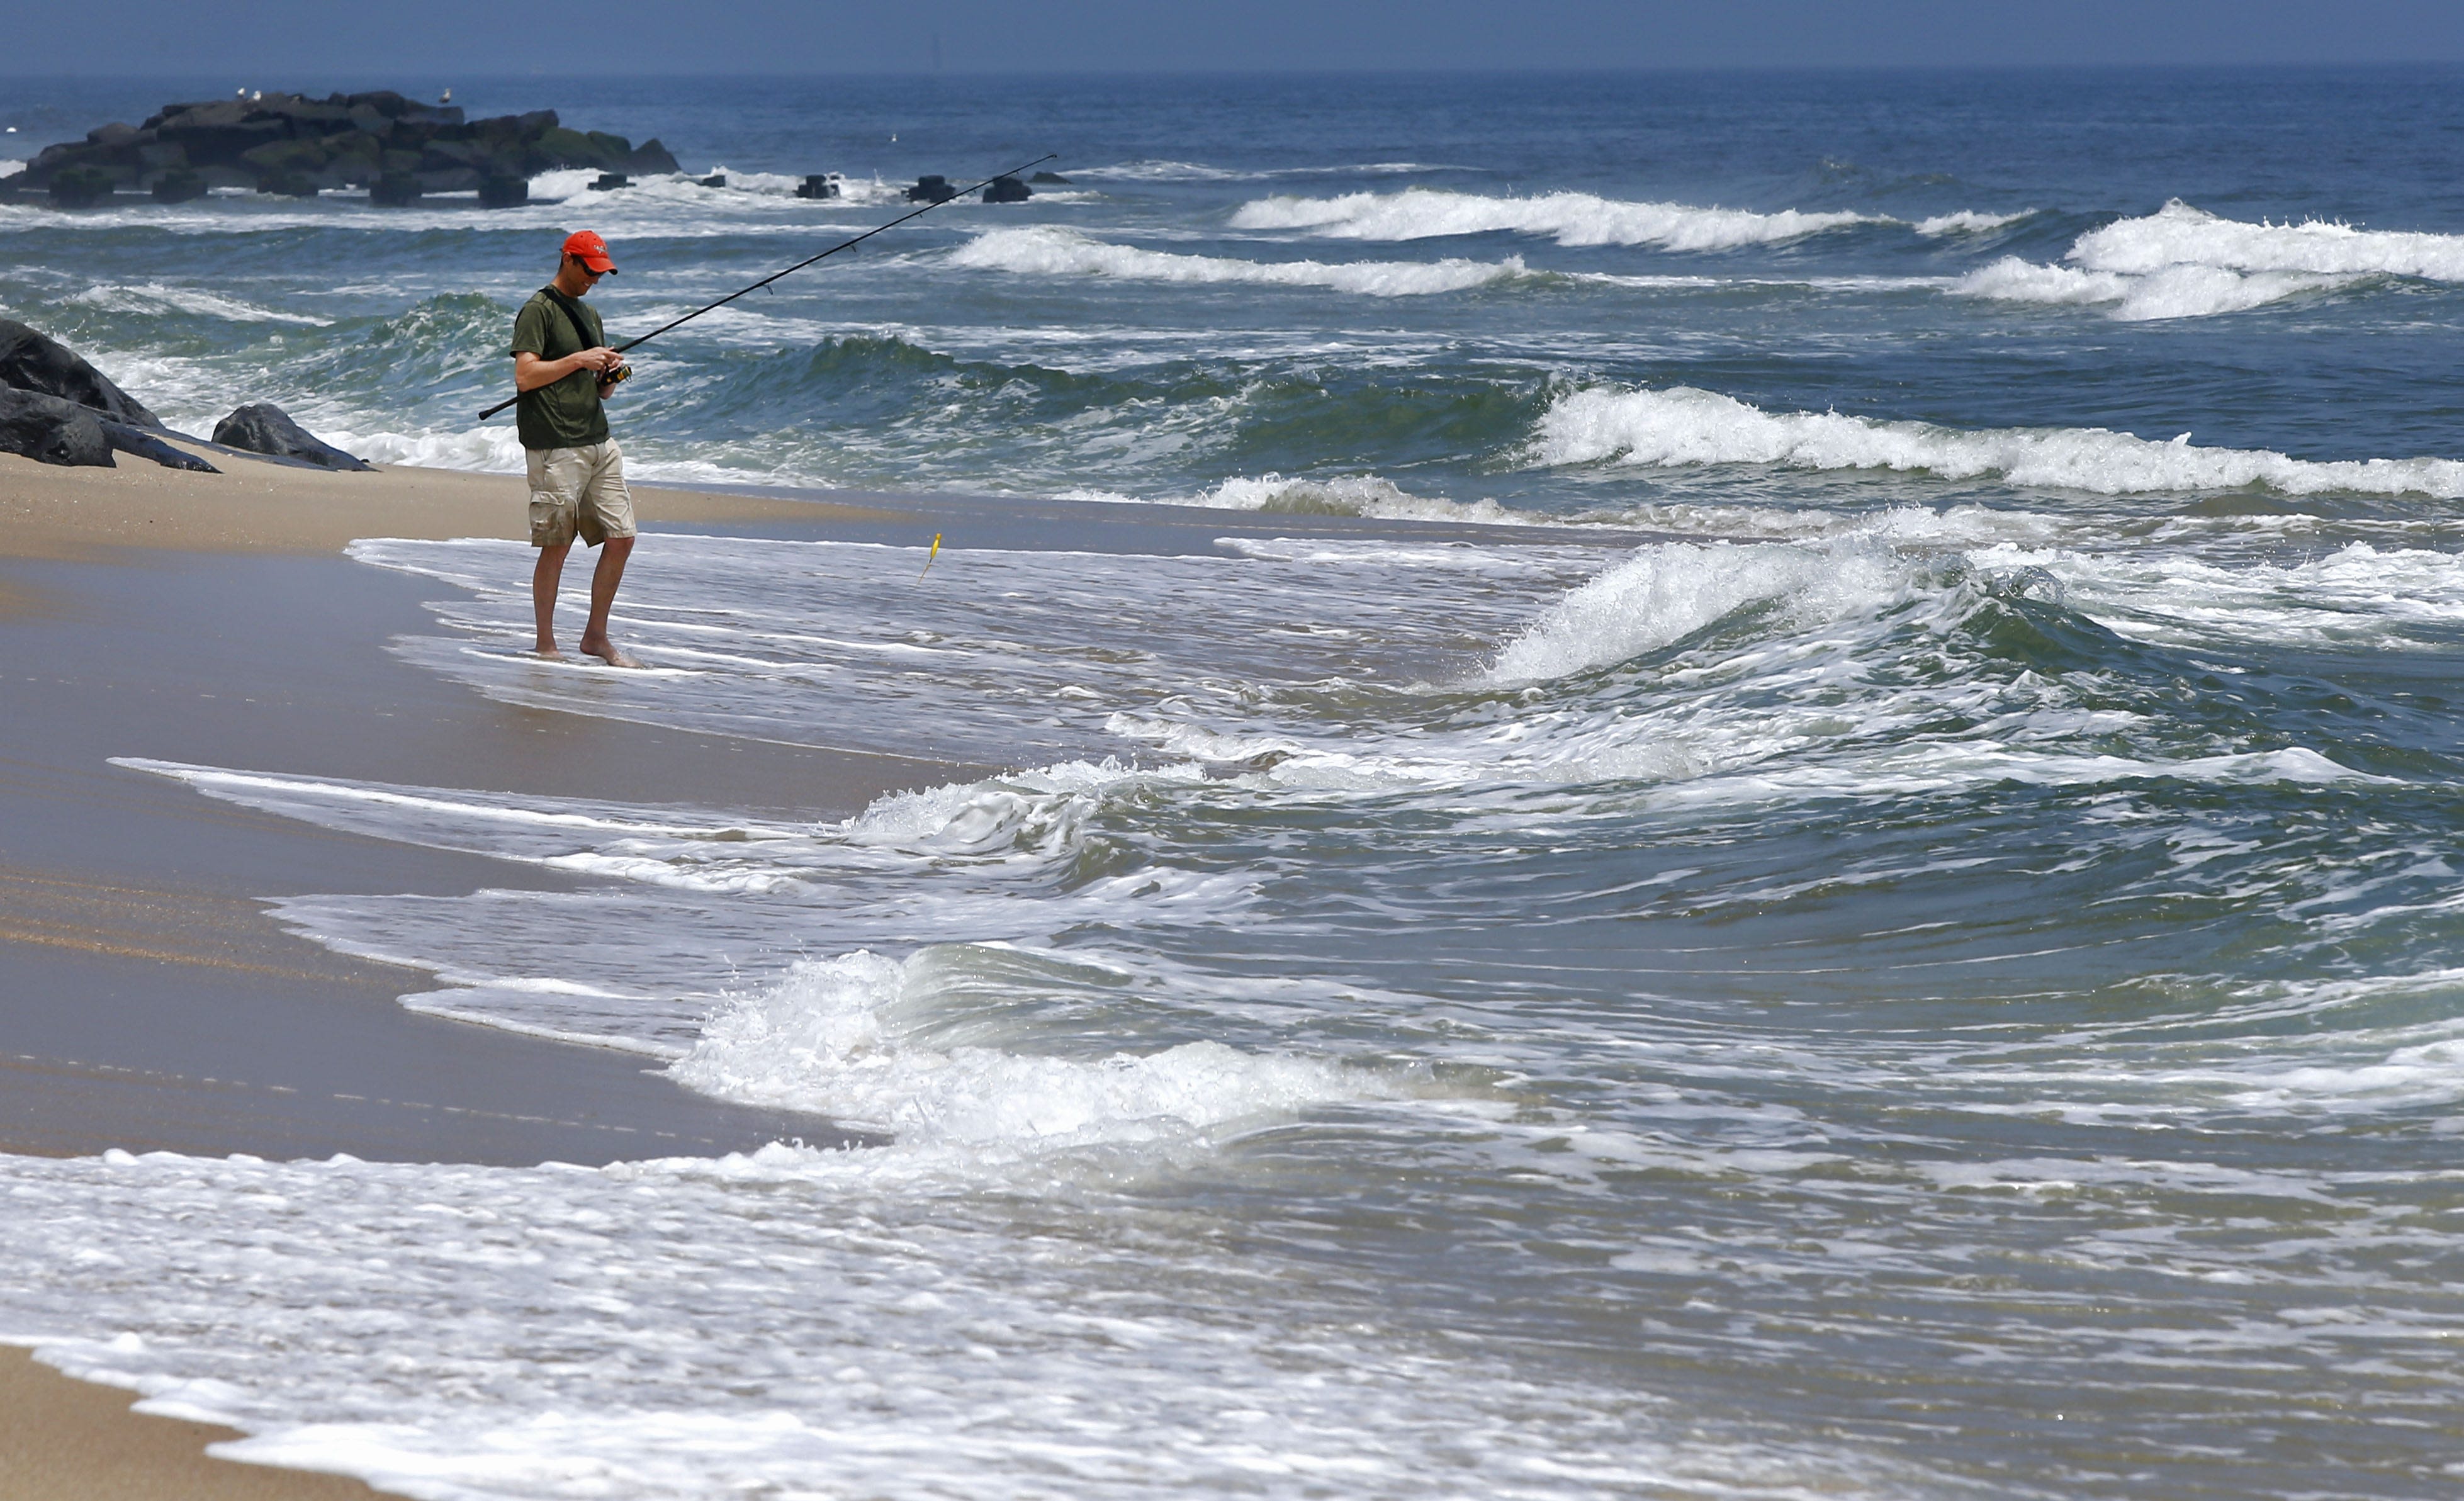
150,1004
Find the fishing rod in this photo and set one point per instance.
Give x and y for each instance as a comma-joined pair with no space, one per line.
912,213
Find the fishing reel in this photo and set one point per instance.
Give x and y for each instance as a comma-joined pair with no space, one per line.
616,375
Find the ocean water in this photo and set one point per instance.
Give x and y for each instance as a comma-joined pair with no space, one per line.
1902,939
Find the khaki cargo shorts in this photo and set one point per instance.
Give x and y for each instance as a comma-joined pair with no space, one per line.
579,490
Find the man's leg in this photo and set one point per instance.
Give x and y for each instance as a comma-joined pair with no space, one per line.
604,580
606,519
546,576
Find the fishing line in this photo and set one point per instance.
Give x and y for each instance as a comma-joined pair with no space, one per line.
912,213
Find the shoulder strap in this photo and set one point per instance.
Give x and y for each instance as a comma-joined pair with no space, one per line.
573,315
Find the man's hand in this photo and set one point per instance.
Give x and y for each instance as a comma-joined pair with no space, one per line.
531,372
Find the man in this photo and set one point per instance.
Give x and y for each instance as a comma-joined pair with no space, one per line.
564,371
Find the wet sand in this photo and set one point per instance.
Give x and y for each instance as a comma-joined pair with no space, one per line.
256,506
64,1440
146,1001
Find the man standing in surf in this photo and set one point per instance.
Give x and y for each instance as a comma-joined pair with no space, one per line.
564,371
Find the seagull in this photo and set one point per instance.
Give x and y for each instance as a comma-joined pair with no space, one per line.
446,98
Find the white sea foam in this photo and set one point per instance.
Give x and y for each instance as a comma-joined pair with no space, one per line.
1681,426
155,297
1170,172
2356,598
1968,221
801,1323
1339,494
2179,234
1666,592
493,450
1349,495
11,167
2168,292
2186,262
1044,251
564,182
1570,218
836,1037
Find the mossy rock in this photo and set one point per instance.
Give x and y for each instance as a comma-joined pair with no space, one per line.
179,185
80,187
286,156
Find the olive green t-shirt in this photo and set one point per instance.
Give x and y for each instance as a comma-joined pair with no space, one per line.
565,414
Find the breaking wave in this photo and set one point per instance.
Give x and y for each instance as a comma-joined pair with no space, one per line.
2186,262
2178,235
154,300
1572,218
1682,426
1170,172
1971,222
2171,292
835,1037
1055,252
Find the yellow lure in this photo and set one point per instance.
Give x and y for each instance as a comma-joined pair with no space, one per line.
930,556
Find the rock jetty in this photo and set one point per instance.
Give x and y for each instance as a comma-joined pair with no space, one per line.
292,144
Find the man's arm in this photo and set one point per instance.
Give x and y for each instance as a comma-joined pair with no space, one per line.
531,372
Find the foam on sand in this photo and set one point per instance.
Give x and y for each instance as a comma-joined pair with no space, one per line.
1682,426
1044,251
1572,218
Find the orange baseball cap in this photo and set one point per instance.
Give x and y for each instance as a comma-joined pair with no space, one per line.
591,250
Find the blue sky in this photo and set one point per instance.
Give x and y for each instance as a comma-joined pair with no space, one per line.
473,37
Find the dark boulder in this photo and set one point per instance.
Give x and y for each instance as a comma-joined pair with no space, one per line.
1008,189
145,445
932,188
30,362
819,185
1049,180
263,428
50,430
504,192
392,191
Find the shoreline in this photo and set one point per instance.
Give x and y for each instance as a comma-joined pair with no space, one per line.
203,1027
62,1439
258,505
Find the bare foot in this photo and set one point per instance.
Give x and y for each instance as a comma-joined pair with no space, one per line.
546,651
609,651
